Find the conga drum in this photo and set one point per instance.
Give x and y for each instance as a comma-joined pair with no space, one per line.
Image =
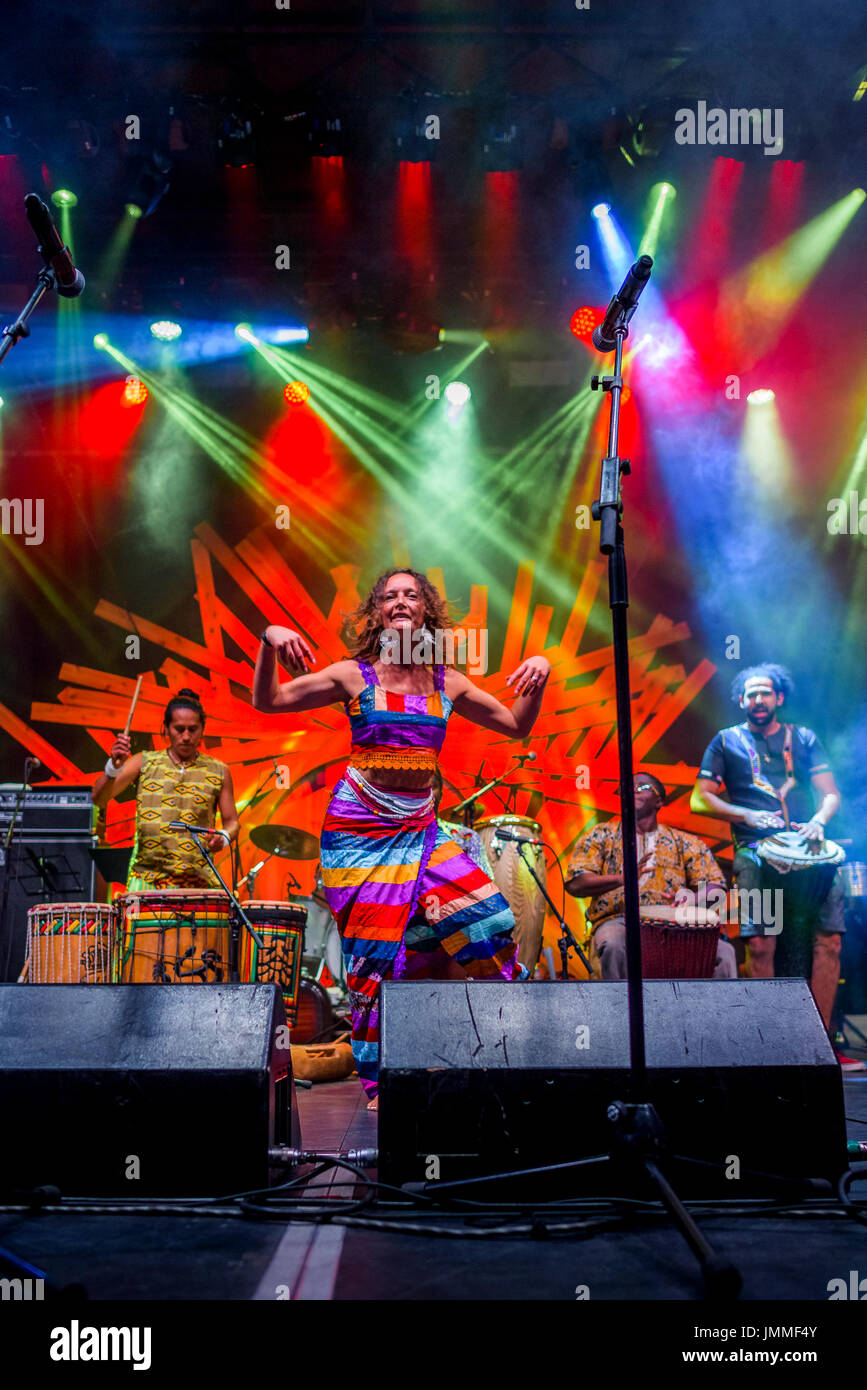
71,944
281,927
678,943
515,881
175,937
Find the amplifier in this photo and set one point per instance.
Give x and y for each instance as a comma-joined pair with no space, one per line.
54,807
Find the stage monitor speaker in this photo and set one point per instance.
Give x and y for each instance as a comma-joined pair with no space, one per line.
487,1077
143,1090
41,868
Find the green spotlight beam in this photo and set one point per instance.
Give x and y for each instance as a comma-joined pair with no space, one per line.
661,198
108,270
758,301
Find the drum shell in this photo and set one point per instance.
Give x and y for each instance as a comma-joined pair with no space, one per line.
72,943
515,881
175,936
281,926
670,951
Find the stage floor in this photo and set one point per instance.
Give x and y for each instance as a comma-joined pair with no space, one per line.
183,1257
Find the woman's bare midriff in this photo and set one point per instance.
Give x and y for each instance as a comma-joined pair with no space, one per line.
398,779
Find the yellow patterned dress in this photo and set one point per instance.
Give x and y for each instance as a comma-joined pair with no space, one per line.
163,858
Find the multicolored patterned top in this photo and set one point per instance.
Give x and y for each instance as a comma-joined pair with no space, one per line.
400,731
163,858
680,861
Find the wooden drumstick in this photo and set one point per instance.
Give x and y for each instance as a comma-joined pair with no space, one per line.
133,705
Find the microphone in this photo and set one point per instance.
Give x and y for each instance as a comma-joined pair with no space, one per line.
500,834
526,757
186,829
623,305
251,873
70,282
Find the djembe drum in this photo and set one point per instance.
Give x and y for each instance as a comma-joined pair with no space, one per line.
678,943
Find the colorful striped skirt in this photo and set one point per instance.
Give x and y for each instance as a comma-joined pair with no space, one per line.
403,892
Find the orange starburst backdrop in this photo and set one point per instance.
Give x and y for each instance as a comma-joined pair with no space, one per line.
284,769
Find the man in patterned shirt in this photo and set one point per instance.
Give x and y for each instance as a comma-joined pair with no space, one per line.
669,861
179,783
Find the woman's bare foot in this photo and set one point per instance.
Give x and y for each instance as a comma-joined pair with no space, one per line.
373,1104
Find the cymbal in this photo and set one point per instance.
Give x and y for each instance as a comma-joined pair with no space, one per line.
286,841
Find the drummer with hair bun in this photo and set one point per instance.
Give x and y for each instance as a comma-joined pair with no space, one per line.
777,776
176,783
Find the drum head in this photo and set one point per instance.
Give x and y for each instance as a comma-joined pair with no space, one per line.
517,823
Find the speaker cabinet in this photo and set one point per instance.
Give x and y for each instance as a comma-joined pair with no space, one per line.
135,1090
489,1077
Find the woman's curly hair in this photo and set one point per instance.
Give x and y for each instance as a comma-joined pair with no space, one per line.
368,625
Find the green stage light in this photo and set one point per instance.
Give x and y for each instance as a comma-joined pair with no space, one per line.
763,396
132,210
166,331
100,340
64,198
2,402
457,393
245,333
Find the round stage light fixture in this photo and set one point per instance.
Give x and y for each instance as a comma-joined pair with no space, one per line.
100,340
584,320
64,198
166,331
760,397
457,393
600,210
132,210
296,392
135,392
245,333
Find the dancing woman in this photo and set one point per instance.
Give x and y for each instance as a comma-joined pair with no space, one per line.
395,881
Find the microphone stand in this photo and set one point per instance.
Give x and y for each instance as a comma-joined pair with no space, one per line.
13,333
640,1137
237,915
466,804
567,938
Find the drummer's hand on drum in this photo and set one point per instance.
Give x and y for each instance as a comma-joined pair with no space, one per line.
120,750
291,649
764,820
812,830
